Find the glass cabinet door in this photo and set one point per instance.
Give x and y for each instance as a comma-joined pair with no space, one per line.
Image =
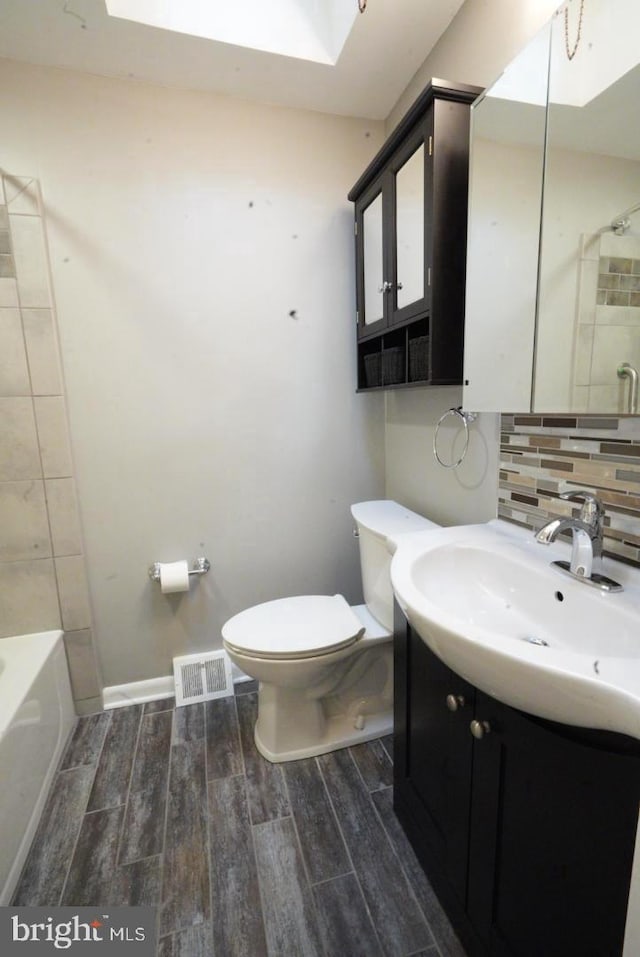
409,295
410,230
372,259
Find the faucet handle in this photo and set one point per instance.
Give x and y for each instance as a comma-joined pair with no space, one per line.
592,511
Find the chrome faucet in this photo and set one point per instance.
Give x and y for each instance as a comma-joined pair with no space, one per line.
587,532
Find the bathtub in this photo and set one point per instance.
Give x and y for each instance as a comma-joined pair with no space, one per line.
36,717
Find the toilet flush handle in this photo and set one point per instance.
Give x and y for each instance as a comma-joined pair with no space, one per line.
356,533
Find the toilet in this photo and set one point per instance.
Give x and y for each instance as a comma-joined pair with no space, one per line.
326,668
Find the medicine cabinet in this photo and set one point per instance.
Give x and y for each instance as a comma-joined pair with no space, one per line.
553,259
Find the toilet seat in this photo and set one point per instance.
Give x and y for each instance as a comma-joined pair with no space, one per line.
301,627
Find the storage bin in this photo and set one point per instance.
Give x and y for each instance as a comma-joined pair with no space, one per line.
373,370
392,365
419,359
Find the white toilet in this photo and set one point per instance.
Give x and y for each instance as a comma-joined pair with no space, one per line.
326,669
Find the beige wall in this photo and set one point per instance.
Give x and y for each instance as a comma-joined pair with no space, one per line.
482,39
202,262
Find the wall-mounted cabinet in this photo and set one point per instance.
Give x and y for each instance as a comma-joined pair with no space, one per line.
410,238
525,828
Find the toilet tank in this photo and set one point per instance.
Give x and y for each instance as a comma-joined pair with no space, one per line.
377,521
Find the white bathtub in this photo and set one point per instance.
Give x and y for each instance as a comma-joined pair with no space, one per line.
36,717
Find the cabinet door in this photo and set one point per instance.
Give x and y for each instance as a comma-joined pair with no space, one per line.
439,756
409,169
373,269
552,833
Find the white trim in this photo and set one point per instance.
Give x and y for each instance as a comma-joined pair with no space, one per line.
152,689
138,692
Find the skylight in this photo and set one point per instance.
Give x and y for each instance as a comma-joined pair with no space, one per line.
313,30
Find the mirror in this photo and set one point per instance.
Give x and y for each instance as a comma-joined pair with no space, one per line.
373,264
410,229
505,198
551,332
589,288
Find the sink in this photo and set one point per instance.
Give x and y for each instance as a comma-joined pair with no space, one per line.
487,601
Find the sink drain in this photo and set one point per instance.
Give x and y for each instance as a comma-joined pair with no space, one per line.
536,641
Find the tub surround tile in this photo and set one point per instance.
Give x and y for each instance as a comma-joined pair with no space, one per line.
19,453
8,292
290,918
66,536
35,444
53,436
32,272
83,669
23,520
73,592
28,597
7,266
235,893
143,829
22,194
323,849
93,864
46,868
42,351
14,371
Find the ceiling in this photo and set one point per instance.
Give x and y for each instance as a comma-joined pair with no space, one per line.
387,44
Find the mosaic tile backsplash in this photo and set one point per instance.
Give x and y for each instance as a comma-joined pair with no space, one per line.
542,456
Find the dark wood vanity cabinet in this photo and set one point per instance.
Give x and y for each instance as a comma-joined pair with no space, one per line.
410,238
526,832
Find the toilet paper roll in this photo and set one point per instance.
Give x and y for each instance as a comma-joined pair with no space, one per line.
174,576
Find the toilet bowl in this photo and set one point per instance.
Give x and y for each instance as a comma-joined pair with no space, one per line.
326,668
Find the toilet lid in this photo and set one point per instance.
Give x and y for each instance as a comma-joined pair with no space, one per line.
299,627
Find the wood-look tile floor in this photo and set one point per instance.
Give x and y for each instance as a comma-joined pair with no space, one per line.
243,858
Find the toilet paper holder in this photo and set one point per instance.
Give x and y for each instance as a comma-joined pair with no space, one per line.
200,567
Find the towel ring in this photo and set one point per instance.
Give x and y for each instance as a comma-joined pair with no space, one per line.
466,418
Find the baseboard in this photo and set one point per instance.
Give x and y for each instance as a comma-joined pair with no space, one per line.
138,692
152,689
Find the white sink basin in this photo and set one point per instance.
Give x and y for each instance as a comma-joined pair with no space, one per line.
487,601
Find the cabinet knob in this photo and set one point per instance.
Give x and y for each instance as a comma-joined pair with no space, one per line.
455,702
479,729
385,287
398,285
